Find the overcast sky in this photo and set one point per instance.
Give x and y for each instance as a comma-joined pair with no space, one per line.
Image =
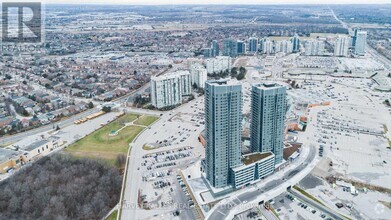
152,2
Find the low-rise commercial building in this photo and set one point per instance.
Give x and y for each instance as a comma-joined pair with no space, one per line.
314,48
9,159
40,148
255,167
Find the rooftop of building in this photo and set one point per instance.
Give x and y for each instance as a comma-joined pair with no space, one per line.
222,82
171,75
268,85
5,154
35,145
255,157
289,151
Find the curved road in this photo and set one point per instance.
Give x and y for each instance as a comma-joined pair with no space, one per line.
223,210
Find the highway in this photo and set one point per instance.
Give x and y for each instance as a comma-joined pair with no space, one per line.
223,209
379,57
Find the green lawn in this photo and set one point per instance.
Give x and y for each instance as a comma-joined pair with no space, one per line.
129,117
146,120
145,147
113,215
100,144
302,191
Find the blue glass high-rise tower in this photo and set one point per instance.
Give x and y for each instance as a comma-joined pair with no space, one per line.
223,117
268,108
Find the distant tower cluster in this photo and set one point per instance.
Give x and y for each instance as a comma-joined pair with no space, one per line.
268,47
295,43
359,41
241,46
218,64
213,50
230,47
233,48
284,46
253,45
341,46
356,43
314,48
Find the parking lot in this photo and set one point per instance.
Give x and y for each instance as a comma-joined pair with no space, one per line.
289,207
167,146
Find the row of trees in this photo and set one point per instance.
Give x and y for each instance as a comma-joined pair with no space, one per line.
238,73
60,187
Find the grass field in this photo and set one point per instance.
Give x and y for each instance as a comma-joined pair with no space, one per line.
146,120
129,117
113,216
101,145
302,191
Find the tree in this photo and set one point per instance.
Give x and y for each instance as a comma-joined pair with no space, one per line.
120,161
195,86
240,76
25,113
242,73
293,84
242,70
106,109
60,187
90,105
234,72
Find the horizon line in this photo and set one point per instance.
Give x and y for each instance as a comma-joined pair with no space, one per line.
215,4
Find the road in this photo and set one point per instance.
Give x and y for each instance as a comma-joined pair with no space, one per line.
379,57
130,209
181,198
221,212
269,215
66,122
316,205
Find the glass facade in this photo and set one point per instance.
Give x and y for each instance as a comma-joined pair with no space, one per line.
268,108
223,115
